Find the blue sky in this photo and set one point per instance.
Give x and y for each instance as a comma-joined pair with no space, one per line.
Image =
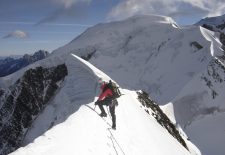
29,25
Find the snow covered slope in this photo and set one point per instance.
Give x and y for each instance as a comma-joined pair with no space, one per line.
200,108
181,65
85,132
145,52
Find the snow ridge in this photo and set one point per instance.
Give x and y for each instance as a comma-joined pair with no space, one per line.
84,132
152,53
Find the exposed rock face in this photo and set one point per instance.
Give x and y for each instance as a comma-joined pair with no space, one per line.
209,27
222,39
215,76
153,109
24,100
196,45
221,26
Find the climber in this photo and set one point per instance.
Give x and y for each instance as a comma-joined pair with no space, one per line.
107,98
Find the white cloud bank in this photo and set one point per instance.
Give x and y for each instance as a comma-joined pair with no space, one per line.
173,8
16,34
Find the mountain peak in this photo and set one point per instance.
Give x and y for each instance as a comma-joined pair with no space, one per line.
41,54
10,65
212,20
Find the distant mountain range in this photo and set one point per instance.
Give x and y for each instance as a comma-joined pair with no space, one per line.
9,65
11,56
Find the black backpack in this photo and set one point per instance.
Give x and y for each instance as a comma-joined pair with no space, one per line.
114,88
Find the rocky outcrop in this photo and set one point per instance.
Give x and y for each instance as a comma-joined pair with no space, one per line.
221,26
196,45
153,109
222,39
209,27
24,100
214,76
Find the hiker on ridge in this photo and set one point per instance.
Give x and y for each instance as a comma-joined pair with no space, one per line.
107,98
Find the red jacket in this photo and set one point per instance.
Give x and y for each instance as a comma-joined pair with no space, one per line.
108,92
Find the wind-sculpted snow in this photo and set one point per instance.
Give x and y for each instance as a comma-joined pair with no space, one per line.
80,87
216,24
70,124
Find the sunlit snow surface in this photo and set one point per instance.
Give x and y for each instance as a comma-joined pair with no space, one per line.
151,53
85,132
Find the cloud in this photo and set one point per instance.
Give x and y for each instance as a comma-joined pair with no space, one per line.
46,24
69,3
43,11
16,34
174,8
73,8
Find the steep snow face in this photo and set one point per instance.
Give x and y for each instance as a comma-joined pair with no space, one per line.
80,87
200,103
200,109
145,52
78,129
